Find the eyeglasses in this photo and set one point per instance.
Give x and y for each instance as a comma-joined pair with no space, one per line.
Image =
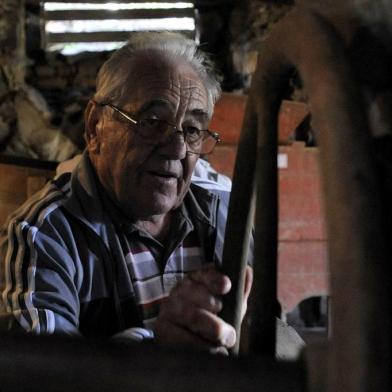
155,131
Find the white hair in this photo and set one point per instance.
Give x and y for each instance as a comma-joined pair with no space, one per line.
111,80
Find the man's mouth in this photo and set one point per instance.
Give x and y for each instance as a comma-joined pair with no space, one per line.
162,174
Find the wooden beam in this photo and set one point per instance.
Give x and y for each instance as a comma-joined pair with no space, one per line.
120,14
106,1
197,3
106,36
63,364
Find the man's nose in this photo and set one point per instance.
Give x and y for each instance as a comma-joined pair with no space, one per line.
175,146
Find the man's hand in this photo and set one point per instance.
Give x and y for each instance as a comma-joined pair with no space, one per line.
188,316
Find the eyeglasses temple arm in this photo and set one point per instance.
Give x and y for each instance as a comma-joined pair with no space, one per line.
123,114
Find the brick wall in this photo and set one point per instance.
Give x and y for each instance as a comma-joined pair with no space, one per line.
302,258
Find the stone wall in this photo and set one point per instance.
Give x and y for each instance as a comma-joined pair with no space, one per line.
66,83
12,63
27,126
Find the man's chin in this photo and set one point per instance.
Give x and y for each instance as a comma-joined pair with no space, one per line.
158,207
164,208
164,202
150,203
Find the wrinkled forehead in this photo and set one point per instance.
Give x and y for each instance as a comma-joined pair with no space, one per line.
153,76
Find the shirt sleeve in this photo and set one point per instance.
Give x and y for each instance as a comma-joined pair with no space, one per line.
37,280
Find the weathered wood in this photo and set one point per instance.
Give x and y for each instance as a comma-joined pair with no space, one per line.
107,36
17,183
34,184
196,2
60,365
356,209
119,14
264,305
104,1
239,224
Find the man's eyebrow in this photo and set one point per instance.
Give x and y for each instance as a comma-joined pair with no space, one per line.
161,103
155,103
199,113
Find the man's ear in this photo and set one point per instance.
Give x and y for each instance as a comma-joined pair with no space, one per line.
91,125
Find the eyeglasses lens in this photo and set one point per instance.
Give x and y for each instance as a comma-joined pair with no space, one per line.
153,130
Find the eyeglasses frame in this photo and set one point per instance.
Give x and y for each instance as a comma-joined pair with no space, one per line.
214,135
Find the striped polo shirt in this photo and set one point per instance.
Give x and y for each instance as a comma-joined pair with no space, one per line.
69,265
155,268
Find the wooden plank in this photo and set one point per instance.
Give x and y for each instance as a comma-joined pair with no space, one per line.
31,163
197,3
120,14
34,184
65,364
106,36
205,3
17,183
108,1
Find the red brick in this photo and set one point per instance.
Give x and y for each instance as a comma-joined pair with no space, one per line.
291,115
302,240
228,116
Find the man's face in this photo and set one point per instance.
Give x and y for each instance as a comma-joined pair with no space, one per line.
144,179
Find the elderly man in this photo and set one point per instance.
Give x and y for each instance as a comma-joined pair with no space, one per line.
127,242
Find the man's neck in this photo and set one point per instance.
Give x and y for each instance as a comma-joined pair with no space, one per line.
157,226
